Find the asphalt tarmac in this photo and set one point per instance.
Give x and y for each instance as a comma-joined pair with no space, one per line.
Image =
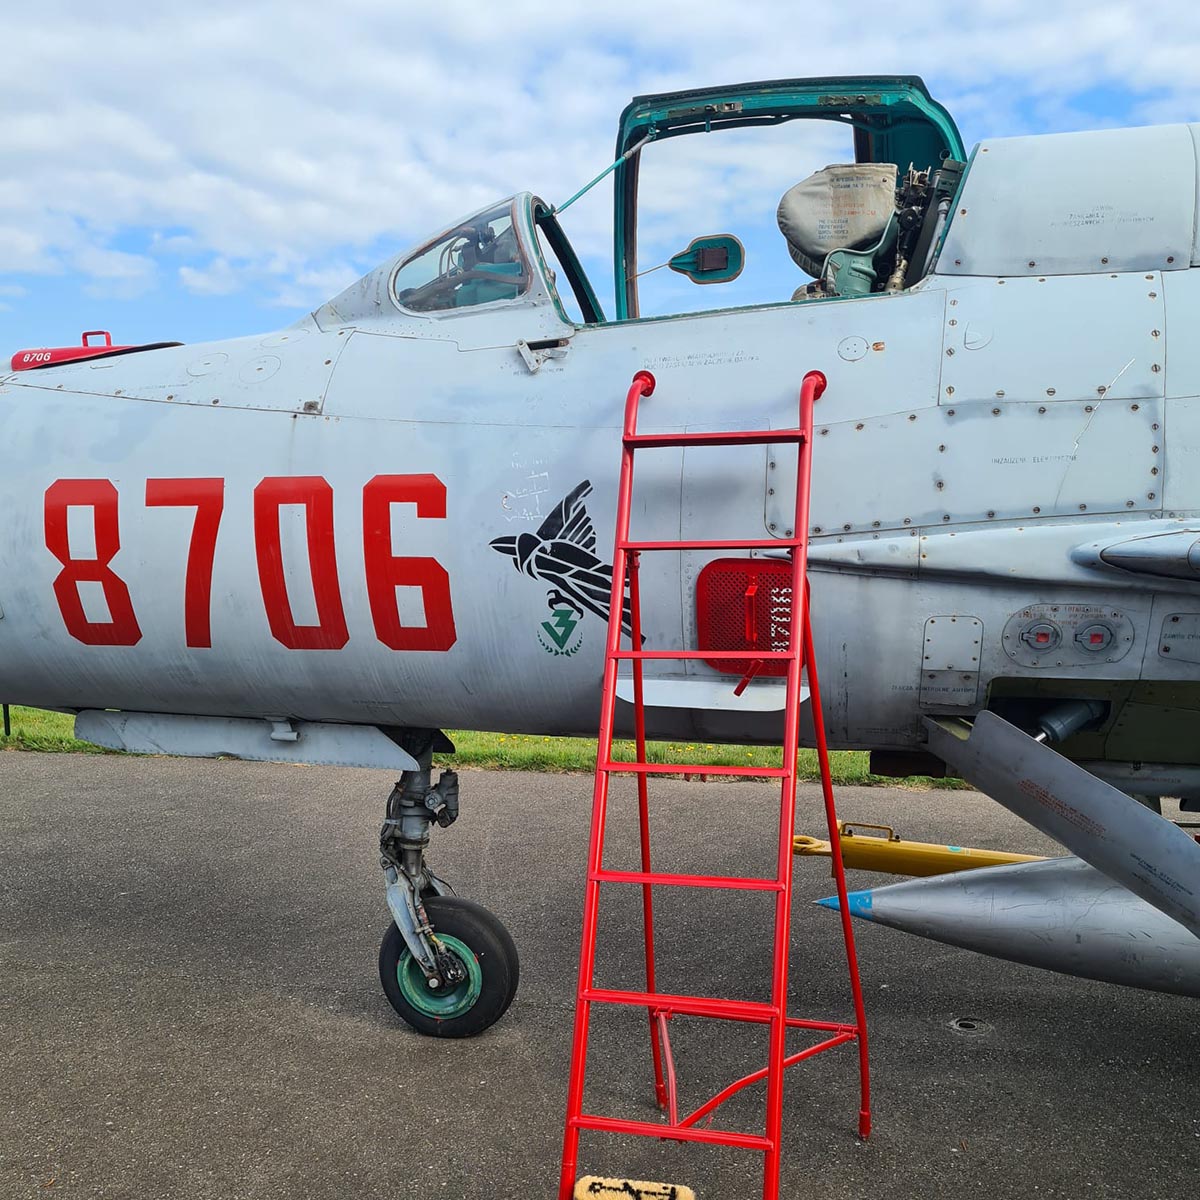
189,1004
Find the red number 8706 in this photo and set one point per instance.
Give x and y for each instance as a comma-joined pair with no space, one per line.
384,570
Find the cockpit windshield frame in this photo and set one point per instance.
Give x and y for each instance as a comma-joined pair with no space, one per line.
469,267
476,267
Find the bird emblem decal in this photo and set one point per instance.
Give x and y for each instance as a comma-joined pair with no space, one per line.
563,554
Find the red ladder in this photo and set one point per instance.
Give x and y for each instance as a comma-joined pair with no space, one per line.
662,1006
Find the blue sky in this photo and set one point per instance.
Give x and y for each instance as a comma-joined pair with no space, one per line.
194,172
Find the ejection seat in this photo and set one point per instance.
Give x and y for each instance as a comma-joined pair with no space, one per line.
837,223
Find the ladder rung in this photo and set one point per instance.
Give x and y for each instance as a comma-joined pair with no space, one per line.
636,768
741,437
707,655
734,882
717,544
715,1137
825,1026
690,1006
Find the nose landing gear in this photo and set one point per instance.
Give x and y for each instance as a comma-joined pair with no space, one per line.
447,965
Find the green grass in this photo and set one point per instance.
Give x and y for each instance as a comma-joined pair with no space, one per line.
35,729
507,751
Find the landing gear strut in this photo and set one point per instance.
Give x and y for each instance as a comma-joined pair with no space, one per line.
447,965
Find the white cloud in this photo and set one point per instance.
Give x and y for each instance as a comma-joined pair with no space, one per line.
114,272
268,145
25,250
309,288
218,278
288,282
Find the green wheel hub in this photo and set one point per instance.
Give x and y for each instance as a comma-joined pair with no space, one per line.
439,1004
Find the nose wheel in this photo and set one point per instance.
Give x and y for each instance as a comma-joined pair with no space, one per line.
480,971
448,966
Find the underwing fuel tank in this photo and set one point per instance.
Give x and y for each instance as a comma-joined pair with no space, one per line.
1153,858
1126,910
1060,914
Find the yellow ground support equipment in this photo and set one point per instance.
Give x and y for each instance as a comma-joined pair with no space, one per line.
887,851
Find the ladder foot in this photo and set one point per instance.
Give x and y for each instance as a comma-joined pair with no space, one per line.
864,1123
591,1187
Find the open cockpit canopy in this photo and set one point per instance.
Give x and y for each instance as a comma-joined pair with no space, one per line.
893,117
894,122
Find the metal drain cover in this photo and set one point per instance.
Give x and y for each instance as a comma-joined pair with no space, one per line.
970,1026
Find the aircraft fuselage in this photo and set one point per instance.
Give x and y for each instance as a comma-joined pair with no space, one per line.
347,521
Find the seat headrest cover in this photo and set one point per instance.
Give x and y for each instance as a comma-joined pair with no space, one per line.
842,206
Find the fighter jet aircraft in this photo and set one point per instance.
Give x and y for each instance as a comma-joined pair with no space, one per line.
329,543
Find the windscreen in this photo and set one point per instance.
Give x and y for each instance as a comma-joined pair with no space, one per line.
479,261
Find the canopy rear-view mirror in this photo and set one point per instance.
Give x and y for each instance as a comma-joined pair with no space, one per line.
717,258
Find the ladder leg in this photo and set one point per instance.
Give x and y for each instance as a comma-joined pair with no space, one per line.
787,825
639,720
591,903
587,964
777,1049
839,873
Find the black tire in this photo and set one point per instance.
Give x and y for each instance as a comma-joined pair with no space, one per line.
494,952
